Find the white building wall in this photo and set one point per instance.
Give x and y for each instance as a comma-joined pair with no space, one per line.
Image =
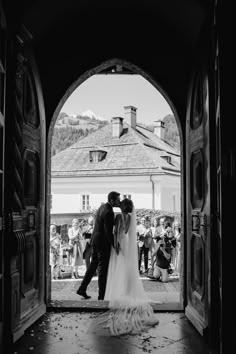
67,192
170,194
171,201
72,203
157,196
142,200
65,203
97,199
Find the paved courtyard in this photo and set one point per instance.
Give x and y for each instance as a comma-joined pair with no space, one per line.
63,292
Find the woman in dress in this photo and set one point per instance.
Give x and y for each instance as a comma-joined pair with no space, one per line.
177,234
130,309
76,241
154,229
55,251
154,226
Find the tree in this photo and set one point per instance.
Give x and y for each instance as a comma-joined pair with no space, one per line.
171,131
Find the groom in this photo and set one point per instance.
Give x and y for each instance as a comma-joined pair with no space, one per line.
102,239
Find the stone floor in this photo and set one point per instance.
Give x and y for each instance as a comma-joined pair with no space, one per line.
69,326
72,333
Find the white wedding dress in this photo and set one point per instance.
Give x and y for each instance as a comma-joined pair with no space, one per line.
130,309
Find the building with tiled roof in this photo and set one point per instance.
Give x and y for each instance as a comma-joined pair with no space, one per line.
122,156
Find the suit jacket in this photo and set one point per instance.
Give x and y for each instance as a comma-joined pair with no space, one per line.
102,235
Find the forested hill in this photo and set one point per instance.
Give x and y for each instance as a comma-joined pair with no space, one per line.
69,129
171,131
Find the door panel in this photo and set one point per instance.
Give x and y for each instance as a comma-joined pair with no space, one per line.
198,201
28,194
2,144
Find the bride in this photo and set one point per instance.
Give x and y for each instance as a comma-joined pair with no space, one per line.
130,309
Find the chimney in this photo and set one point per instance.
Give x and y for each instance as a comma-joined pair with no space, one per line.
117,126
130,116
159,129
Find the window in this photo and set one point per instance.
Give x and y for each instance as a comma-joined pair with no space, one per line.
167,158
127,196
85,202
97,155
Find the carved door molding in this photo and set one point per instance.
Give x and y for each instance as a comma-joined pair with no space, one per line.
198,201
2,153
26,213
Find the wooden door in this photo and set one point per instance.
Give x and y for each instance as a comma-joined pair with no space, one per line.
2,144
25,187
198,201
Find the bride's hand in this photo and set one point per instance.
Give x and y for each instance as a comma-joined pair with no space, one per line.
117,248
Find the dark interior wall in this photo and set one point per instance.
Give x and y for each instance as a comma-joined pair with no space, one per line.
72,37
68,55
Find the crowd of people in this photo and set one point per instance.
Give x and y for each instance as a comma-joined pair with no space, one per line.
73,250
158,244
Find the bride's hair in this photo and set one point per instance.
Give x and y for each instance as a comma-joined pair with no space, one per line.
127,205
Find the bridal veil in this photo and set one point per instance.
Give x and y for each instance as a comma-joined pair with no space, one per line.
129,306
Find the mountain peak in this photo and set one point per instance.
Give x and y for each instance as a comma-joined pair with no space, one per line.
88,113
91,114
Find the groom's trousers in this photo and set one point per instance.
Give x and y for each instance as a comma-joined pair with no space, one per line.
100,262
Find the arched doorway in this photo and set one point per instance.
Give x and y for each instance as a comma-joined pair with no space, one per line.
111,67
183,30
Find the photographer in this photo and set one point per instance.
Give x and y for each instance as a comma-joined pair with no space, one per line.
163,259
170,240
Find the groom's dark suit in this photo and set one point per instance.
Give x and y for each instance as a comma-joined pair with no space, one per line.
102,239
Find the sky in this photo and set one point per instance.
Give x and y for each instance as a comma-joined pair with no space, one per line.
106,96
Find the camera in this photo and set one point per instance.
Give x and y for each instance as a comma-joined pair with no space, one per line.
168,243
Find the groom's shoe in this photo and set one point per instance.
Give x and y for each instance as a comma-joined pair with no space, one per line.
83,293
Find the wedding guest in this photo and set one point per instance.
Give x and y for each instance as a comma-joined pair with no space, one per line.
87,233
76,241
149,240
64,243
140,229
55,251
144,235
154,227
160,230
177,235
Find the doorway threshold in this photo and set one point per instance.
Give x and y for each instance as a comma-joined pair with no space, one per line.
163,296
102,305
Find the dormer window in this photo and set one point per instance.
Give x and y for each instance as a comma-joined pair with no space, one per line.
97,155
167,158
